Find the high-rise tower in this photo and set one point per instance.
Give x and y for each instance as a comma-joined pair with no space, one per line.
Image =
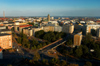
48,17
3,14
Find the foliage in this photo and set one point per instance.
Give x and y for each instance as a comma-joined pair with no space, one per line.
36,56
88,64
50,36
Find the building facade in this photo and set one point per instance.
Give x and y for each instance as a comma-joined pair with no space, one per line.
77,39
5,41
88,28
48,18
48,28
68,28
98,32
58,28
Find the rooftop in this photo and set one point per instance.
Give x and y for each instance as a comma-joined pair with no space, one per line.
4,34
5,30
25,25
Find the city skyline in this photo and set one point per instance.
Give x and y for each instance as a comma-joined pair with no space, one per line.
52,7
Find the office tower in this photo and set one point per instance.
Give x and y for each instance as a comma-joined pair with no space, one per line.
77,39
48,18
5,41
68,28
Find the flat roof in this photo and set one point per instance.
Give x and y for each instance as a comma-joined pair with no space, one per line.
5,30
4,34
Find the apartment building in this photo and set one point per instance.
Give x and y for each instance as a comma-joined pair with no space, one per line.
48,28
5,41
68,28
77,39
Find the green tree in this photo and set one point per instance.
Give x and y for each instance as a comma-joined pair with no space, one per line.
69,42
36,56
9,65
63,63
85,49
88,64
78,52
19,40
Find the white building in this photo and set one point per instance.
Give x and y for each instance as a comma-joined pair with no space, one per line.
58,28
68,28
88,28
98,32
53,23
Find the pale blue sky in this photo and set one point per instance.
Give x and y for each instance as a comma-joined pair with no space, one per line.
52,7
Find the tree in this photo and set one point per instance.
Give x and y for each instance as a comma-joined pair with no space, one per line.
36,56
73,64
78,52
9,65
85,49
87,39
63,63
88,64
69,42
19,40
39,34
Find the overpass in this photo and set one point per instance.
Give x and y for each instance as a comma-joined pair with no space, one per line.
52,46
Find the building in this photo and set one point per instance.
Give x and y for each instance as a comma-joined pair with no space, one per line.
88,28
5,41
3,31
2,27
36,29
68,28
23,26
58,28
98,32
48,18
1,54
48,28
53,23
77,39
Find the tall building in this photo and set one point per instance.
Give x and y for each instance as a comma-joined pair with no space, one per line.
48,17
98,32
68,28
5,41
3,14
77,39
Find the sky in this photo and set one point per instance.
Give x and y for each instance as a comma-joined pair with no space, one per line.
52,7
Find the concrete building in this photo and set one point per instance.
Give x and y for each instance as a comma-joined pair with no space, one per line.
48,18
48,28
58,28
36,29
5,41
3,31
2,27
68,28
23,26
77,39
1,54
98,32
88,28
53,23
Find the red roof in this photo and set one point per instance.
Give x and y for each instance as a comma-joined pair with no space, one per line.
25,25
3,18
0,50
98,21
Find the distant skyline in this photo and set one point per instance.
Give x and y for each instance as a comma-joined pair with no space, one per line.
52,7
